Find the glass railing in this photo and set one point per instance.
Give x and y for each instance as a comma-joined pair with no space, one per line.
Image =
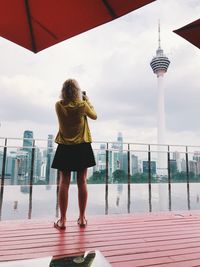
145,177
28,161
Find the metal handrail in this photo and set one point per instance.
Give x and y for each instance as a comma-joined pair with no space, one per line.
111,142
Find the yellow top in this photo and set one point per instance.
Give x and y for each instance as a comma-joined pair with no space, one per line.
73,125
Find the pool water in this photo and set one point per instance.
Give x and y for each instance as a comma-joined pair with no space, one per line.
18,203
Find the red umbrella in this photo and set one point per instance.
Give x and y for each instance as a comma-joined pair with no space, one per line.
191,32
38,24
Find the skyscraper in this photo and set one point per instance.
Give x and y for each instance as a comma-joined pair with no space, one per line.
50,151
160,64
101,158
117,153
28,140
27,146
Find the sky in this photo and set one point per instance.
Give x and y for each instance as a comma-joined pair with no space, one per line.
112,64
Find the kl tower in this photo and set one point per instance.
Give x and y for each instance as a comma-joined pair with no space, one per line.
160,64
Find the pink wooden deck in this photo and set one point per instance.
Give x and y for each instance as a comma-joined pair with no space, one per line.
162,239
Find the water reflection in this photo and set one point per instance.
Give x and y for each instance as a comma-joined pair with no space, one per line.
150,199
129,198
1,199
39,201
30,202
188,196
170,196
15,205
119,193
106,199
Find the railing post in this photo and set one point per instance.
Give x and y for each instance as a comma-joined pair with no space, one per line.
30,203
149,176
31,179
106,180
32,163
3,175
169,177
129,178
188,178
4,163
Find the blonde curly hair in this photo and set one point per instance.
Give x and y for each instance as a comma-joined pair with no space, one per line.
70,90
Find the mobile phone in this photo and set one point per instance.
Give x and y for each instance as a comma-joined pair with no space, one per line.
83,95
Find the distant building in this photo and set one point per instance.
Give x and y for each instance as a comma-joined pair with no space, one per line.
196,156
101,158
145,168
16,166
159,65
22,167
117,154
116,160
183,165
194,167
37,164
134,165
49,157
10,167
50,173
118,145
27,146
120,141
176,156
124,164
27,140
173,166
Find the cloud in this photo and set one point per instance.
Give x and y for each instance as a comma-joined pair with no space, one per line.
24,98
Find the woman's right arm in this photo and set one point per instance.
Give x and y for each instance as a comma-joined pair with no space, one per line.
89,110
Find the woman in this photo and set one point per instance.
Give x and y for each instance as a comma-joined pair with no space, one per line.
74,151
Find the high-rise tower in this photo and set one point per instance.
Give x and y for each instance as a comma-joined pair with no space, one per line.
50,147
27,155
28,140
160,64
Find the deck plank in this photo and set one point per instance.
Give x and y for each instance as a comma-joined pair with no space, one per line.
153,239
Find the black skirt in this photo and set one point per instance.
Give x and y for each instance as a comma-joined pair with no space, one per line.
73,157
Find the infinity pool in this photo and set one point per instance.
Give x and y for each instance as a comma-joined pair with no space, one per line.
18,203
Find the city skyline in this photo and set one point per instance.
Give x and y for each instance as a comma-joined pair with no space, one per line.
114,70
31,164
